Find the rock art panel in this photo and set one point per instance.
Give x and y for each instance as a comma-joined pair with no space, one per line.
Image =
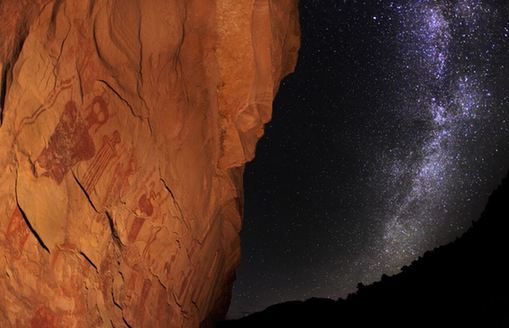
124,128
71,142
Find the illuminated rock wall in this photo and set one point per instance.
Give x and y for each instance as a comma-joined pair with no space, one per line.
125,127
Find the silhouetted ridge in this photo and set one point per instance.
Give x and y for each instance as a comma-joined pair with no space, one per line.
464,283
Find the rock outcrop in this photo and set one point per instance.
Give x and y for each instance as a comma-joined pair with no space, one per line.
125,127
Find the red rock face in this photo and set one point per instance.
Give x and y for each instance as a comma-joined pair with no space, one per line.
125,127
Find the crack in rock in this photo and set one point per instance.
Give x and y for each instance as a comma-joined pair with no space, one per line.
89,261
25,218
114,231
84,192
175,202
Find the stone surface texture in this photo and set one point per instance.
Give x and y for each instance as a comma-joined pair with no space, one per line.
125,127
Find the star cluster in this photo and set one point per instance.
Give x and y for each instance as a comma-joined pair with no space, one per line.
385,142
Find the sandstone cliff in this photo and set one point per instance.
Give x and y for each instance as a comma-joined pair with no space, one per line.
125,127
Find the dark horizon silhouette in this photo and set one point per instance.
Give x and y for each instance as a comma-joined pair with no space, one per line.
463,283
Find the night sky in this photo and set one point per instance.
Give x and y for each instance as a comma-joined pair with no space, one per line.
386,142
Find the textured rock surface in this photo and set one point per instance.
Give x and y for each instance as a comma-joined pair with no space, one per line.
125,126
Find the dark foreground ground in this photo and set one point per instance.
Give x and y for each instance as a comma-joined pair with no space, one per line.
462,284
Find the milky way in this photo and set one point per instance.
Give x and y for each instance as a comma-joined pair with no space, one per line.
385,143
450,95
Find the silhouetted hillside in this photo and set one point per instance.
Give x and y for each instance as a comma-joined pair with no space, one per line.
464,283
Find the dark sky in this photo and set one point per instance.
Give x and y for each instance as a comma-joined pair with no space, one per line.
385,142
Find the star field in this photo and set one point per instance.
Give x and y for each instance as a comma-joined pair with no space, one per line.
385,143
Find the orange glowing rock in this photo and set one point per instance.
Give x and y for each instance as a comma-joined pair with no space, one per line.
125,127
